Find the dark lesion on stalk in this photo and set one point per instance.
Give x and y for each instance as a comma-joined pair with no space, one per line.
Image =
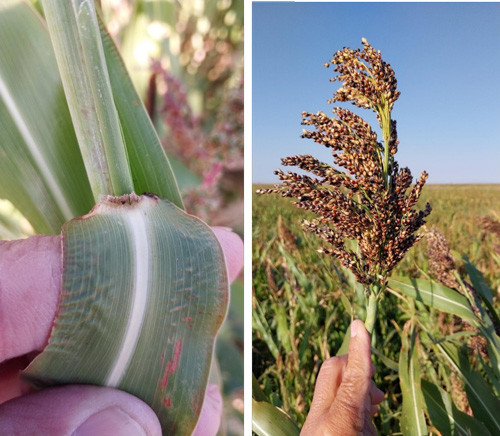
364,196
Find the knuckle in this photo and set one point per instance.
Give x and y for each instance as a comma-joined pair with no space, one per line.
347,411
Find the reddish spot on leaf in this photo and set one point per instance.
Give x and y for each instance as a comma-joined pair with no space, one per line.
172,363
135,102
188,318
167,402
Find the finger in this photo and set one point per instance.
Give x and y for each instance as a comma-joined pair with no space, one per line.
232,246
78,411
376,395
352,400
327,383
30,278
211,412
11,384
373,410
369,428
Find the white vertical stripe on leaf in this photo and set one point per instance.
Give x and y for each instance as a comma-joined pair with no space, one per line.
140,270
33,148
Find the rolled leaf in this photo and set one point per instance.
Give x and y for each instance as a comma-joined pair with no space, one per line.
144,292
75,36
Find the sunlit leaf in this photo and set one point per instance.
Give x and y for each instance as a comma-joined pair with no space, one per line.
268,420
41,169
434,295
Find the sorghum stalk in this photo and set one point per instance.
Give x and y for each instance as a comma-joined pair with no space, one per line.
371,312
371,202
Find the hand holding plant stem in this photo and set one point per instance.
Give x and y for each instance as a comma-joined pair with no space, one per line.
366,212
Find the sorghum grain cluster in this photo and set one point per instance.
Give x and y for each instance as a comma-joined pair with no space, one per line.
364,196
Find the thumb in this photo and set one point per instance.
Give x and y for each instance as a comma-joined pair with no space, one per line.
232,245
211,412
78,411
353,397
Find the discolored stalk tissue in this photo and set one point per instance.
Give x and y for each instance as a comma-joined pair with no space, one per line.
364,196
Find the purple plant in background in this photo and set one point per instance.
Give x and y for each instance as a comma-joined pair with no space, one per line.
211,151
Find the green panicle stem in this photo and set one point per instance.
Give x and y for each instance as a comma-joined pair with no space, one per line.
371,312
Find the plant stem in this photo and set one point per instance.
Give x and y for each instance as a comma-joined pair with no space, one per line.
75,36
385,120
371,312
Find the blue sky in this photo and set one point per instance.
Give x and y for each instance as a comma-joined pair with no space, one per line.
446,57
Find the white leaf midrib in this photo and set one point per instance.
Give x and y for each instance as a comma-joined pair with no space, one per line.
135,222
34,150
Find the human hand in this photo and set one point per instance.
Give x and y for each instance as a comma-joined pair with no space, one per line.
30,278
345,399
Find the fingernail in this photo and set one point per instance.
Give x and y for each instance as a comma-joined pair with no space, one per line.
112,421
354,329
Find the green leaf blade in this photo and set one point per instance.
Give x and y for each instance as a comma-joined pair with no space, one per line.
483,402
434,295
140,308
41,169
446,417
413,418
268,420
151,169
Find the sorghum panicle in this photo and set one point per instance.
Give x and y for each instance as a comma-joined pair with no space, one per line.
371,201
441,263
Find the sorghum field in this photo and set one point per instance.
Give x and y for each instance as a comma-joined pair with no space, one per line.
303,302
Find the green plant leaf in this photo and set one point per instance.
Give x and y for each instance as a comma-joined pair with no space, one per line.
413,418
121,149
344,348
260,324
434,295
480,395
478,281
257,392
12,224
144,292
391,364
268,420
493,371
446,417
151,170
75,36
41,169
